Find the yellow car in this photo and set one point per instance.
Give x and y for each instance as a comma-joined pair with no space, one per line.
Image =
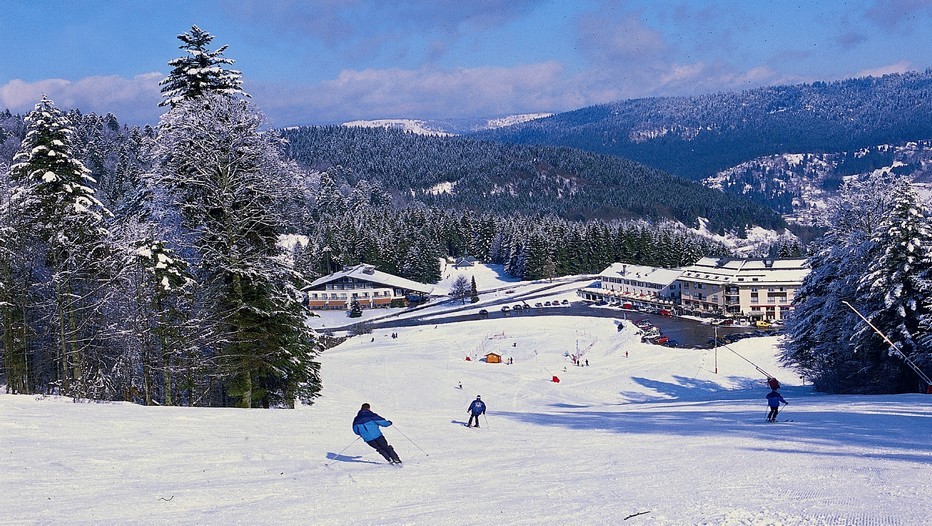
762,324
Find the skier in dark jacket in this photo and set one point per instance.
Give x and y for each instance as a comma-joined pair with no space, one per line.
476,408
773,401
367,424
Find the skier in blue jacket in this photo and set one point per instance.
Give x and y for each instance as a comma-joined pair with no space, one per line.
476,408
366,425
773,401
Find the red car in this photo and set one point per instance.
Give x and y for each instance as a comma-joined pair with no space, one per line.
665,312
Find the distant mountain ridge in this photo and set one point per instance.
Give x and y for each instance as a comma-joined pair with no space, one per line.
698,137
460,173
797,185
444,127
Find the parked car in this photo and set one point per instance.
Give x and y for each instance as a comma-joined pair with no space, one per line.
565,302
517,306
762,324
627,305
538,304
546,303
643,324
506,309
483,313
652,332
665,312
660,340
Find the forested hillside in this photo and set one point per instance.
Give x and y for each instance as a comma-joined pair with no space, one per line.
798,185
458,173
696,137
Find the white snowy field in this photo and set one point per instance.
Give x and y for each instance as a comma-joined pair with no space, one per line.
495,287
643,430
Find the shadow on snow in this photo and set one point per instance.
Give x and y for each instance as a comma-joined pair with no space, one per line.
892,428
347,458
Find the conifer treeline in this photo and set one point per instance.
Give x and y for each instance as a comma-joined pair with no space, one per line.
410,241
159,280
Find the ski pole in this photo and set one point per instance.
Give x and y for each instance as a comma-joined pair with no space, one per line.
341,451
486,421
426,454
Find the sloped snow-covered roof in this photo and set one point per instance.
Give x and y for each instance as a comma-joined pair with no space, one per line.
660,276
364,272
756,270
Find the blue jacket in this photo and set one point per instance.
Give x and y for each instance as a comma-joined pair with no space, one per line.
477,407
367,424
774,398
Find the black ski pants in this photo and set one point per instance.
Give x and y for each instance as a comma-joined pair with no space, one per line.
471,417
381,445
772,416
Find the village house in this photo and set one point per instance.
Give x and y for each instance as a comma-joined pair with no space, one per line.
757,288
363,283
636,286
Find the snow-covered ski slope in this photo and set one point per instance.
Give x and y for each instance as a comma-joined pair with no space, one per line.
655,433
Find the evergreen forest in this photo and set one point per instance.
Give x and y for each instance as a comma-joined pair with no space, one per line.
147,264
696,137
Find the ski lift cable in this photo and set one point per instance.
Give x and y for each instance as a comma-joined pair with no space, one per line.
765,373
894,348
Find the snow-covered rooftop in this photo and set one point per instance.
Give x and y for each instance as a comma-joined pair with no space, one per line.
368,273
660,276
759,270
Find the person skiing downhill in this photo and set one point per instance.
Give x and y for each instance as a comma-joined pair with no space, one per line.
366,425
773,401
476,408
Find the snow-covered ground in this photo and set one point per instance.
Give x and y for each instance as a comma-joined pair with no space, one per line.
493,284
643,435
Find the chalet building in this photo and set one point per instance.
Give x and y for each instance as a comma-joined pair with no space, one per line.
758,289
363,283
636,286
465,262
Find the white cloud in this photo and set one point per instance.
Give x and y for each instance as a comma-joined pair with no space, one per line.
133,100
899,67
421,93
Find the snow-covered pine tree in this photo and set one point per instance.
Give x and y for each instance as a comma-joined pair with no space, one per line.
61,232
822,333
225,177
896,284
330,201
12,292
537,261
473,291
200,71
160,358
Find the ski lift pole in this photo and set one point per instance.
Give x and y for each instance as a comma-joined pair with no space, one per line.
895,349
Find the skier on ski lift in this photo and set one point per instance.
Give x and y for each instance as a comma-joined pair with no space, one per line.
367,424
773,401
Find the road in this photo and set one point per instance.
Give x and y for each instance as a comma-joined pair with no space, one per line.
686,332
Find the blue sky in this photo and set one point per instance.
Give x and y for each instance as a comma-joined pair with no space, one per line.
330,61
